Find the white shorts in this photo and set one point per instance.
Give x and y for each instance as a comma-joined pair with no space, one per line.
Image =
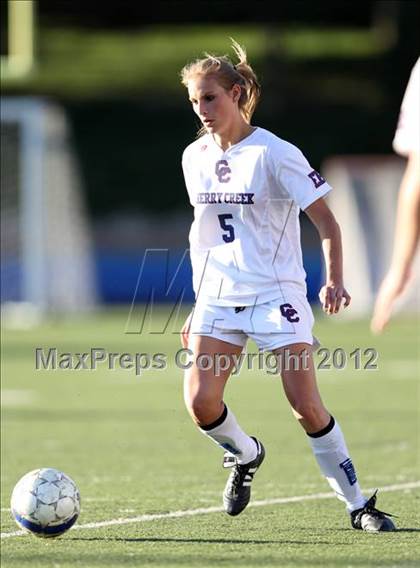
274,324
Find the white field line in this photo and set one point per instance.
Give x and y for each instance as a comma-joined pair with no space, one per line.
204,511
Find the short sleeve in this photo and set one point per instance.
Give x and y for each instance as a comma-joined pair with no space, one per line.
407,135
295,175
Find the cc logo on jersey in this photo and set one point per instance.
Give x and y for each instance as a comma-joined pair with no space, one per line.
289,312
222,170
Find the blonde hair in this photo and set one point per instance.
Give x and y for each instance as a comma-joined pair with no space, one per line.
228,74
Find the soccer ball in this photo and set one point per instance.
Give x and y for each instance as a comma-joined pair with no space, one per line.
45,502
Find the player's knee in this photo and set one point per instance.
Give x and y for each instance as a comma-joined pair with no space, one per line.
312,414
203,408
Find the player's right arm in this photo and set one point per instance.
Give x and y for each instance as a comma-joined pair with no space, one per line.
185,331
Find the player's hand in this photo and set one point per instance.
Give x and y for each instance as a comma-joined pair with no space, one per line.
331,297
185,331
391,288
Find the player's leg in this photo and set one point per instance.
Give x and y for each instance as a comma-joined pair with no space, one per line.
300,386
203,393
325,435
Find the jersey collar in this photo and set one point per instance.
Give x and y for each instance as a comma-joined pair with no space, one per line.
242,141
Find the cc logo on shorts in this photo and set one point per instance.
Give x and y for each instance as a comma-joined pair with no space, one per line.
289,312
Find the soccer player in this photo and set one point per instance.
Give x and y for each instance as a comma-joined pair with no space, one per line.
247,186
407,230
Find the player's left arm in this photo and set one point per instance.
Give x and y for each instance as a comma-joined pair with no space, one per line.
333,292
407,228
406,239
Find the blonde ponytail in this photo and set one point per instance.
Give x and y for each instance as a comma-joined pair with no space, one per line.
252,86
228,74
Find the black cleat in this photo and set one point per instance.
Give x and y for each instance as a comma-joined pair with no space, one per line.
370,519
237,492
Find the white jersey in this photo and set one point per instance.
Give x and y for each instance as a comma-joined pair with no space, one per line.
407,135
245,238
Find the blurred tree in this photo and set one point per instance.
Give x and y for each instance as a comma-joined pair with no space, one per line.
129,14
333,78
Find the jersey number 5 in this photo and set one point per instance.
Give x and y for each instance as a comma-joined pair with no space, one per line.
226,227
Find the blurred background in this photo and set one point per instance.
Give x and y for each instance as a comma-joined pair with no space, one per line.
94,215
94,121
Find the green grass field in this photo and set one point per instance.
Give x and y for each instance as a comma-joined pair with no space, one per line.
129,444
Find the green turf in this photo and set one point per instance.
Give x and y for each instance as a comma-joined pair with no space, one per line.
130,446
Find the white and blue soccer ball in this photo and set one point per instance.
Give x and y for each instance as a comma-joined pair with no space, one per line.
45,502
